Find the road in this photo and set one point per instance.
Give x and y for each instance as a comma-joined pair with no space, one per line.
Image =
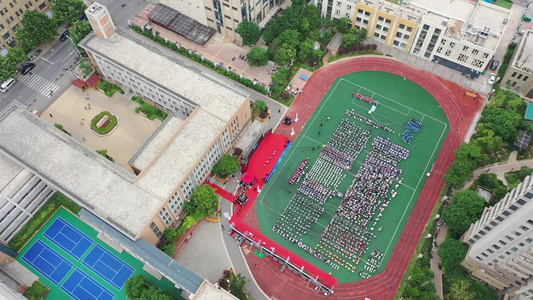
33,91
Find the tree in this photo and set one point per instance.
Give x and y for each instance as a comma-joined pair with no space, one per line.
469,156
461,290
343,25
466,208
487,140
289,37
189,207
226,166
79,30
37,28
312,14
250,32
307,48
205,199
135,286
67,11
260,107
452,252
9,64
353,37
504,123
86,66
236,286
285,55
258,56
290,19
155,293
280,79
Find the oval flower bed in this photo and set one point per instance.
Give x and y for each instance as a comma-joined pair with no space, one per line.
104,123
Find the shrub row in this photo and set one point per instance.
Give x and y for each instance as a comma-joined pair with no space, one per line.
356,48
40,218
36,291
109,88
149,110
207,63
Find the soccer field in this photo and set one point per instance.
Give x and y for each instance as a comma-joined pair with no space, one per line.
399,101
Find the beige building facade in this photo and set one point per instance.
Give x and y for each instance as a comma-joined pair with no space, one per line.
224,15
501,249
519,75
460,34
10,19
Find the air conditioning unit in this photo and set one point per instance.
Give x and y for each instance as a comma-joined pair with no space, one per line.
92,9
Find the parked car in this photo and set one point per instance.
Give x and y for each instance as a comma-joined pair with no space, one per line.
492,78
27,68
64,36
494,65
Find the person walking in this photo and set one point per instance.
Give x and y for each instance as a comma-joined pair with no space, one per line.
51,116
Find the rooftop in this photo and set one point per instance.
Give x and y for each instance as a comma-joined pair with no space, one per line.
180,154
461,9
524,57
215,98
155,143
208,291
74,169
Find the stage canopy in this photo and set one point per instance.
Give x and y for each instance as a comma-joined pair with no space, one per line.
247,178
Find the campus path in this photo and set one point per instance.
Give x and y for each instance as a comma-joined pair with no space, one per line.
500,169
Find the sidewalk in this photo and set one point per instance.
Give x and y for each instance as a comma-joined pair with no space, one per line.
499,169
435,261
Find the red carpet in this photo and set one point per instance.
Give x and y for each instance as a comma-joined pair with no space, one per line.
261,169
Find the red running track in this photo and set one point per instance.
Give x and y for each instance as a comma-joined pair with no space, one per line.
460,112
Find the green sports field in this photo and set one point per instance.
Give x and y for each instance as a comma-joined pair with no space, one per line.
399,101
56,292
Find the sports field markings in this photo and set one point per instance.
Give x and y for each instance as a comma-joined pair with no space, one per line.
81,286
389,99
111,268
48,262
413,194
68,238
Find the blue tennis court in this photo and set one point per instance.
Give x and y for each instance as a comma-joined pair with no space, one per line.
47,261
68,238
108,266
81,286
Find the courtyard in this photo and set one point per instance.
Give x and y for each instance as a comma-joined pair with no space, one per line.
75,109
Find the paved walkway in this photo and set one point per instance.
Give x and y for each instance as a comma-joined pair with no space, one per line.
500,169
435,260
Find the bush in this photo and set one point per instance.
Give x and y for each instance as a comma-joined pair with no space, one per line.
137,287
149,110
109,88
229,74
60,127
40,218
36,291
104,130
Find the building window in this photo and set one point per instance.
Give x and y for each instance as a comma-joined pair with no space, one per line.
521,201
509,238
175,204
402,26
484,254
514,74
156,230
521,244
165,216
499,218
525,78
506,213
529,240
503,243
514,249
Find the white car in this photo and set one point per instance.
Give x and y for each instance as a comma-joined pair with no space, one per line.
492,78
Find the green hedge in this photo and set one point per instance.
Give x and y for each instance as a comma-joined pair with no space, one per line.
109,88
41,217
36,291
244,81
109,127
149,110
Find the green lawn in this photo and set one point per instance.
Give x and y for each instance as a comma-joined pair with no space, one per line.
57,293
399,100
505,4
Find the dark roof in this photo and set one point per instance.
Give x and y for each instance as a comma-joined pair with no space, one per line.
523,142
179,23
147,253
